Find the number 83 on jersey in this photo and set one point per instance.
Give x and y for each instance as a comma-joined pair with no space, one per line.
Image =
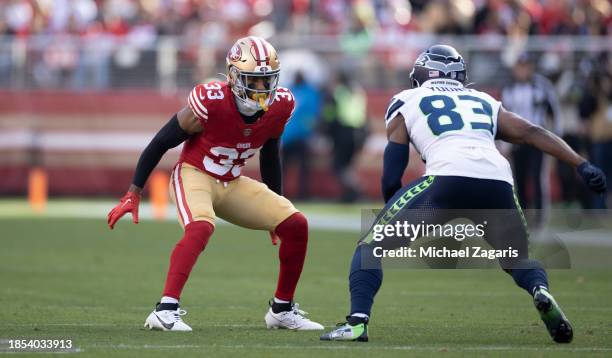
444,114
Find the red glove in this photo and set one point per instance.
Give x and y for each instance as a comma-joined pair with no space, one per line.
127,204
274,238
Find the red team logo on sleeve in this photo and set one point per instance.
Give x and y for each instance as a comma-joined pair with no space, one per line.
227,142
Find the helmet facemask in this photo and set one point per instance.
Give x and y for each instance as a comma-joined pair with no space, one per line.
254,91
252,70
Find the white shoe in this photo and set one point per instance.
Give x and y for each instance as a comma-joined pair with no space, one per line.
169,320
293,319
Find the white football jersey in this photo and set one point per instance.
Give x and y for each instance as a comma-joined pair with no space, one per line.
453,128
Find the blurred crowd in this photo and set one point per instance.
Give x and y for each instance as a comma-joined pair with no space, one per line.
234,17
96,44
122,46
577,106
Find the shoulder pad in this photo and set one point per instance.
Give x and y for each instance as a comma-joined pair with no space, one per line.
196,101
285,98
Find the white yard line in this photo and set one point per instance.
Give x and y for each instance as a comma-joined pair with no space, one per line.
344,222
99,210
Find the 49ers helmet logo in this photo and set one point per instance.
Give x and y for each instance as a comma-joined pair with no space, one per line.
235,53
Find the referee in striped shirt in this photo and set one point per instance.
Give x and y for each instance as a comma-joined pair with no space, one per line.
533,97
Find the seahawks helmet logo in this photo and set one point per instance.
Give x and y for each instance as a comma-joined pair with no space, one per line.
438,61
432,62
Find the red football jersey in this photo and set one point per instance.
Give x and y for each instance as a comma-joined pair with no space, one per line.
227,142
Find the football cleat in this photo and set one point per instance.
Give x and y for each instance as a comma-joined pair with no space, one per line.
557,324
347,332
293,319
167,320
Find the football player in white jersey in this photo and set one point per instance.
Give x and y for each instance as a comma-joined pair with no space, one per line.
454,128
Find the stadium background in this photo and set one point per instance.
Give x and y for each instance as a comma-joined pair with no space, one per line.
85,84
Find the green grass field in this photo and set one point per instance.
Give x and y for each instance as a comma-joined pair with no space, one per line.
75,279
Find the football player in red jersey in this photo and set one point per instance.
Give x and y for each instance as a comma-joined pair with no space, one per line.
223,125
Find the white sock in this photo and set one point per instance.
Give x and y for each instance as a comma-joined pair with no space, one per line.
360,315
276,300
167,299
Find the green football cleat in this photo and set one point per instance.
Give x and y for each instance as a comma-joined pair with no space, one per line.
346,332
557,324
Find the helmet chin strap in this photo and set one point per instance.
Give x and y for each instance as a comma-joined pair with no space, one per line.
250,106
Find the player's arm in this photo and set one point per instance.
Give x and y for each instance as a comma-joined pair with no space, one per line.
183,124
176,131
270,165
270,155
395,159
515,129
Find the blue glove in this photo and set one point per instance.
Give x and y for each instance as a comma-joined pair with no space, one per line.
593,177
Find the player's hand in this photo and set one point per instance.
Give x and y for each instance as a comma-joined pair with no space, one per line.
275,239
593,177
127,204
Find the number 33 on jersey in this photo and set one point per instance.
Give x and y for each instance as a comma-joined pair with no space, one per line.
227,142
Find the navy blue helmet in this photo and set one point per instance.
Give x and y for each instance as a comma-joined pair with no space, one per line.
438,61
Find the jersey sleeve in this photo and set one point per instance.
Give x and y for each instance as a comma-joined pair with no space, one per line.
393,109
398,105
197,102
287,102
495,106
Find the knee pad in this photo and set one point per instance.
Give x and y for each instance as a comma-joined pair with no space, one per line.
295,226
